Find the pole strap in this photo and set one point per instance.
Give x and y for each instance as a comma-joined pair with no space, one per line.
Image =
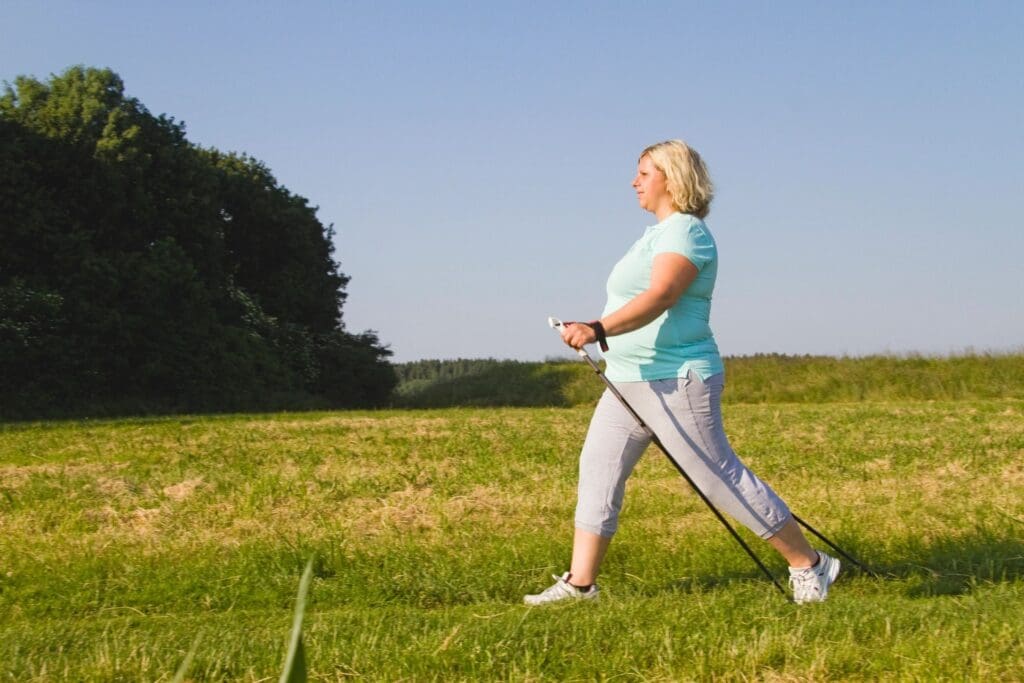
598,328
602,338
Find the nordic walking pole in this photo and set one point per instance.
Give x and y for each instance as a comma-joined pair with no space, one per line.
867,570
555,323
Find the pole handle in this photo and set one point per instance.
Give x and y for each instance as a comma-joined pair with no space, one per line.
556,324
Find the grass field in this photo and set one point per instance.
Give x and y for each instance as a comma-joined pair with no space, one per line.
123,541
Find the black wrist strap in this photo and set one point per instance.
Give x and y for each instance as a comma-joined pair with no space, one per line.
602,338
597,327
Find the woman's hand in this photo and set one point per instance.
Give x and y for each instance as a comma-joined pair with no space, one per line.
671,275
578,334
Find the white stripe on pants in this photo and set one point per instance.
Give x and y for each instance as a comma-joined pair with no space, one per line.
686,415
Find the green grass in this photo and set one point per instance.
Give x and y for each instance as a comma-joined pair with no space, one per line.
120,541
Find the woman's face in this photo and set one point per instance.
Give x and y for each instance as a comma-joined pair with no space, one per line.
651,187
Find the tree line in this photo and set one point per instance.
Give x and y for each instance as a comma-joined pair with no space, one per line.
140,272
760,378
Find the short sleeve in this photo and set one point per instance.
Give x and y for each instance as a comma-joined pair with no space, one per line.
689,238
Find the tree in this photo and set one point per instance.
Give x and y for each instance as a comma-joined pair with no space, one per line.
140,270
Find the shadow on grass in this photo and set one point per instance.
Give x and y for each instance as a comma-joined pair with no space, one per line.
949,566
955,566
493,383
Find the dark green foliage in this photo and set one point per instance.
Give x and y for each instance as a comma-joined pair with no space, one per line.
487,382
767,378
141,273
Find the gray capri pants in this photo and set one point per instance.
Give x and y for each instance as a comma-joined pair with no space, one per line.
686,415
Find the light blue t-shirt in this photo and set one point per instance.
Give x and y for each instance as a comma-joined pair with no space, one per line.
680,339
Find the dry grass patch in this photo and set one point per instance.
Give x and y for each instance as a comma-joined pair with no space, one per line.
113,487
941,499
15,476
344,473
145,521
670,527
422,510
353,427
878,465
182,490
1013,474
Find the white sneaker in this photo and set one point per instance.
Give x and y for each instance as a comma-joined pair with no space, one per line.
562,590
810,584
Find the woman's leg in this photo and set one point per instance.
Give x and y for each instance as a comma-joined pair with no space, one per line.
791,543
686,416
588,551
611,450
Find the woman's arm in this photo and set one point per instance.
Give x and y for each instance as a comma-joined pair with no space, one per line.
671,274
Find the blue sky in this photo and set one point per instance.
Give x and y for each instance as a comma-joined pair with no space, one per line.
475,158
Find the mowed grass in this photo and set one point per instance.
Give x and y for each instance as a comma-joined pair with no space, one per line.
121,542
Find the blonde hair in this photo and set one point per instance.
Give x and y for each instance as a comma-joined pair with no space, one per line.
686,175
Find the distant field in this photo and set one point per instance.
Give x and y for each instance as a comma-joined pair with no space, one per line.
769,378
122,540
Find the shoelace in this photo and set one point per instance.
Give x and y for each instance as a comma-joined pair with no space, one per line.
556,588
562,586
805,579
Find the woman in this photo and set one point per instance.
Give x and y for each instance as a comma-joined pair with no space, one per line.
664,360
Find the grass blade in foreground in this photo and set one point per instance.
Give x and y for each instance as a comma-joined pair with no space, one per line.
295,661
179,675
